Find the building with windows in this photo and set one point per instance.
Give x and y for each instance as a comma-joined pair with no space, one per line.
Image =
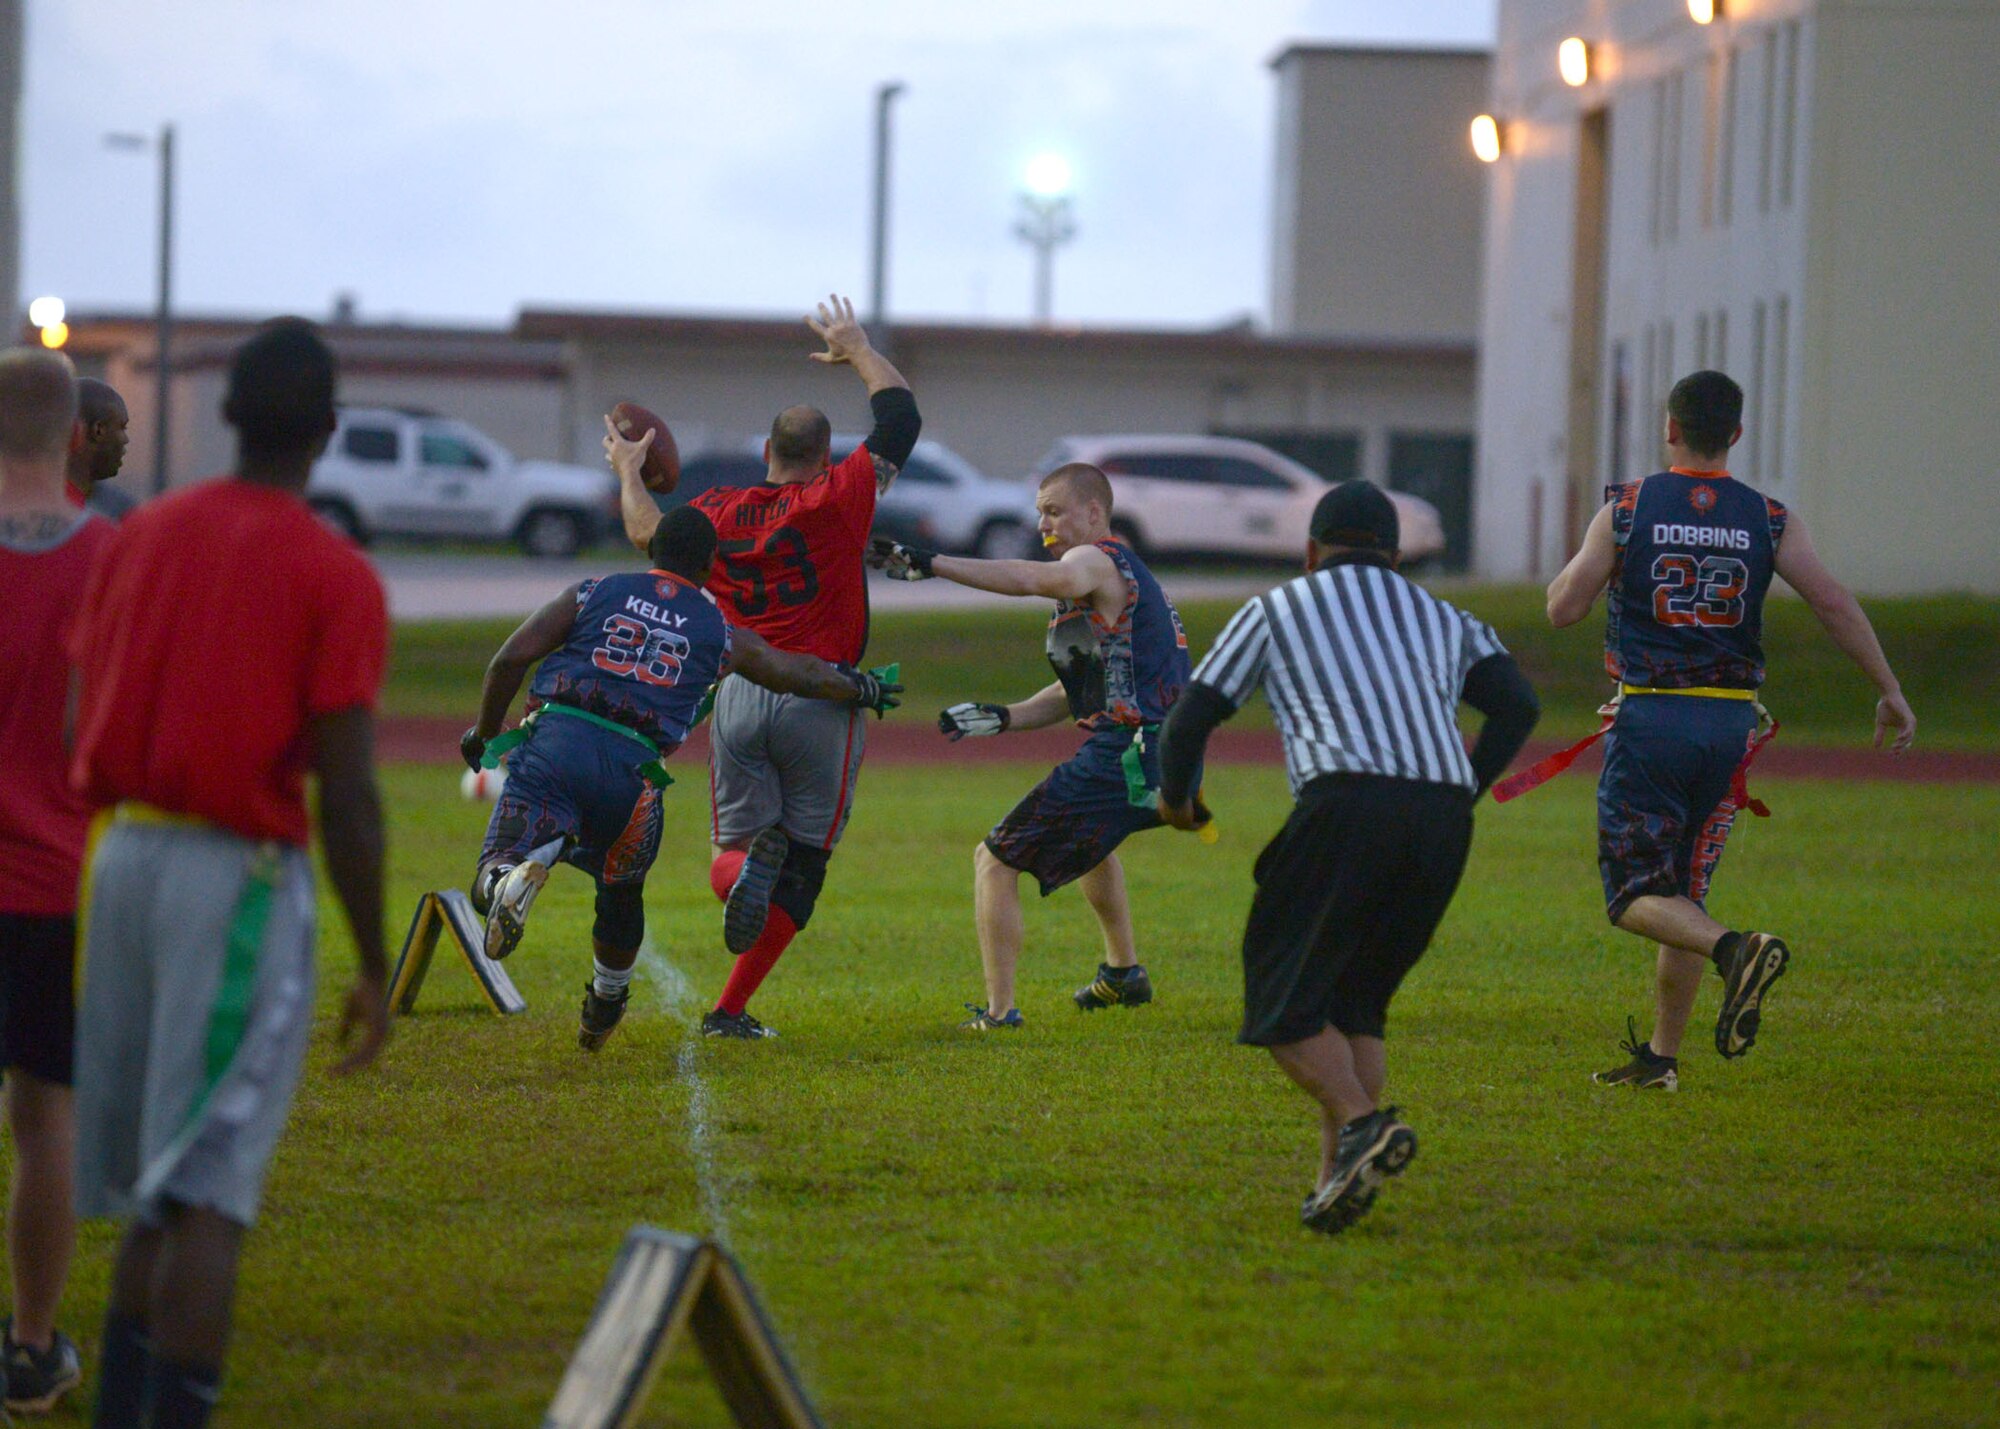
1798,192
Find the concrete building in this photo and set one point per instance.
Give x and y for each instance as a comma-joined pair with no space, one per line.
1801,193
1378,202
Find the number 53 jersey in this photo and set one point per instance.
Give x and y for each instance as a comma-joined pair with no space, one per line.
1695,554
643,651
788,558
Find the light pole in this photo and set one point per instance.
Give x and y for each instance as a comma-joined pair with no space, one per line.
1046,223
878,271
163,317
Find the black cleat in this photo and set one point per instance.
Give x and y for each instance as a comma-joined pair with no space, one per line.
1372,1149
984,1021
749,902
717,1023
1647,1071
36,1379
1115,987
600,1017
1748,968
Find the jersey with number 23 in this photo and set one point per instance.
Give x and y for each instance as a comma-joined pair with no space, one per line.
788,558
1696,553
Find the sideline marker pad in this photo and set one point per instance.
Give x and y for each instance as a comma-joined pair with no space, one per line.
452,913
660,1285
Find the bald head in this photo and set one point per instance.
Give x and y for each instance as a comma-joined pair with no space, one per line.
1083,482
37,403
102,426
800,437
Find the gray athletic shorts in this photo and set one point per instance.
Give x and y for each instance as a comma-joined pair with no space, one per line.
192,1029
782,760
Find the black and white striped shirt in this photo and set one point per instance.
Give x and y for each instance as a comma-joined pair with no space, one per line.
1363,670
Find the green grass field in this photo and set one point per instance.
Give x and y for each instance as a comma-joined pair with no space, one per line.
1946,651
1092,1222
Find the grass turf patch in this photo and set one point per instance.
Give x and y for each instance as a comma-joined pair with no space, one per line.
1093,1221
1945,649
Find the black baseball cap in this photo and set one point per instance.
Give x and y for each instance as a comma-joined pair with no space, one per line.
1357,514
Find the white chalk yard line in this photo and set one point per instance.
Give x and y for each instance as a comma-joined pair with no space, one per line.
678,997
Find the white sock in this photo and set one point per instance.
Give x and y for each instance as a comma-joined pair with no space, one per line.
610,983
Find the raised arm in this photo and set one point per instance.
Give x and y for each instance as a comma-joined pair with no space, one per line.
1575,588
350,830
1844,619
848,345
637,510
756,660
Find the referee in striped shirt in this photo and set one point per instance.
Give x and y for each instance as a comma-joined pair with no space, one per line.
1364,672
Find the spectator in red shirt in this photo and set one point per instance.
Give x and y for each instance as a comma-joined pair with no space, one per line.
46,550
229,643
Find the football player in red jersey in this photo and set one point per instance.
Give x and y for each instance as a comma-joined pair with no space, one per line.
789,566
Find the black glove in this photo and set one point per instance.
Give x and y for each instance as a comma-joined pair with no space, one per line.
472,748
874,689
899,562
970,719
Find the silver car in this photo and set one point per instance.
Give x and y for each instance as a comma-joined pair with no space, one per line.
1221,496
943,501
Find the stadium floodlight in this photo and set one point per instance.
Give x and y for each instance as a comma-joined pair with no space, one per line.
1573,62
1703,12
48,312
1046,223
1049,176
1486,144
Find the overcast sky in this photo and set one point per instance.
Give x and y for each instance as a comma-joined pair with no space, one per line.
458,161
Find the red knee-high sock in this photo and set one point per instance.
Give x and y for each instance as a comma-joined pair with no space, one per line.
755,965
722,873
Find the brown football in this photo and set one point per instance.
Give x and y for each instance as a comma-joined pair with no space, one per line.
662,469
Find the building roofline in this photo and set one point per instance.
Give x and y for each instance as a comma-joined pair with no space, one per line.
1462,52
1242,341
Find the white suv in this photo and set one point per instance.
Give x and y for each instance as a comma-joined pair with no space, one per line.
395,473
1220,496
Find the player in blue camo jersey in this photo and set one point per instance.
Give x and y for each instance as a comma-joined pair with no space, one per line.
1688,555
1121,659
625,663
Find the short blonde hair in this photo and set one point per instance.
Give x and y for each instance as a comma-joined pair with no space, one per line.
1083,480
37,402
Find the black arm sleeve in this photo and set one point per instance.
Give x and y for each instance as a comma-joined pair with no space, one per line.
1184,739
896,425
1497,689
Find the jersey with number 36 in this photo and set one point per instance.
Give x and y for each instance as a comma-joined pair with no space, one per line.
1696,552
788,558
643,651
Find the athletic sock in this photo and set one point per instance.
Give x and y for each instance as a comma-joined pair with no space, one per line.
610,983
184,1395
757,961
127,1362
722,873
1724,946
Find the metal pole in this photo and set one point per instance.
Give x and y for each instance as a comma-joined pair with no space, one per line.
1045,280
885,95
164,317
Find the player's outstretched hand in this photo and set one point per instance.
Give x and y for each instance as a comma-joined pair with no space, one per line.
900,562
364,1017
875,689
626,457
837,327
960,721
471,748
1893,713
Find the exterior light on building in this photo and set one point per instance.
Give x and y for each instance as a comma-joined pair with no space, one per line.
1486,138
47,312
1704,11
54,335
1573,62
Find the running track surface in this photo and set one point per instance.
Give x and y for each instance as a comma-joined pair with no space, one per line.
410,739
